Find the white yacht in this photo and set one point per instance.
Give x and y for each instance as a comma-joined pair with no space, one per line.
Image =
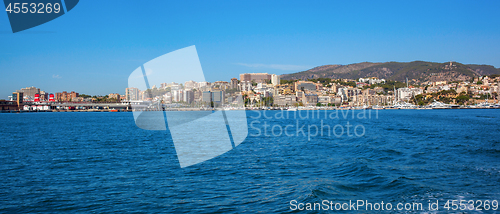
439,105
404,105
484,104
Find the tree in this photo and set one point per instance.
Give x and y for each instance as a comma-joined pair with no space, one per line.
284,82
319,104
462,98
445,99
420,99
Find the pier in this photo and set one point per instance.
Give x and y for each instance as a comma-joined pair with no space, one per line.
12,106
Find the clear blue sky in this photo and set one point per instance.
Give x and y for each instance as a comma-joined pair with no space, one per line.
93,48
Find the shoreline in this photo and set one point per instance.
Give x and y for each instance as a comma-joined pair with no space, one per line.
246,109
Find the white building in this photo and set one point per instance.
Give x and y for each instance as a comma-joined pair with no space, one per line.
285,100
444,87
167,98
264,88
372,80
324,99
202,84
407,93
275,79
245,86
190,84
188,96
342,92
177,95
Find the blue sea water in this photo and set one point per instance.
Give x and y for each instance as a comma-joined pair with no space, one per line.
101,162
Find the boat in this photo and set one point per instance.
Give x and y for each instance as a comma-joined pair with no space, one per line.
366,107
439,105
404,105
484,105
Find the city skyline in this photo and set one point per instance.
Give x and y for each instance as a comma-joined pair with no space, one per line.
263,90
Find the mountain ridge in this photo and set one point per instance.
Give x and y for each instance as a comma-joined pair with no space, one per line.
419,71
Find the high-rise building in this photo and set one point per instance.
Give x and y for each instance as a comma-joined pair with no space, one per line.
188,96
218,97
234,83
275,79
65,96
29,92
132,94
177,95
18,98
255,77
206,97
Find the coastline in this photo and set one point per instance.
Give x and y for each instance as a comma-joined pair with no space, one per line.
248,109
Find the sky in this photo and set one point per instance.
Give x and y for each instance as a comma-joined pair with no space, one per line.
96,46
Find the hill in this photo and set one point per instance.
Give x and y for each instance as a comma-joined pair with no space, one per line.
419,71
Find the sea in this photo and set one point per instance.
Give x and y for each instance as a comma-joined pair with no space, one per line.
418,161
